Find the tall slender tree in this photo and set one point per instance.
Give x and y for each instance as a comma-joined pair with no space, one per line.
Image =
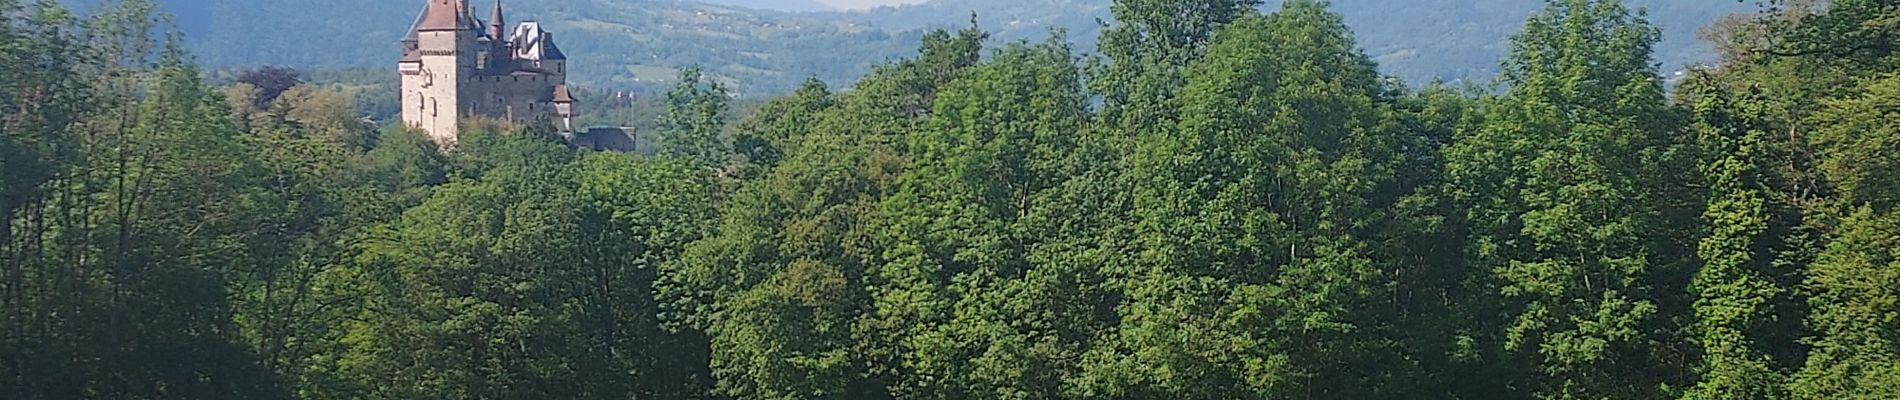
1258,218
955,260
1566,187
1735,289
696,118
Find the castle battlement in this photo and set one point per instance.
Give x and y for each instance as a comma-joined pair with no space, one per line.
455,66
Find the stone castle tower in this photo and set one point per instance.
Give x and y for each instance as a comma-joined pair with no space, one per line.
455,66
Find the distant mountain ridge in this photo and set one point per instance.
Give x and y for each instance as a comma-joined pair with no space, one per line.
1418,40
776,5
638,44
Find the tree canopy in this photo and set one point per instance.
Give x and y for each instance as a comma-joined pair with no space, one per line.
1228,204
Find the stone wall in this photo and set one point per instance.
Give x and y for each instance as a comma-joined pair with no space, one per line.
512,97
431,94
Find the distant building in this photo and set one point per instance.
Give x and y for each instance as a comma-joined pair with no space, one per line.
455,66
609,139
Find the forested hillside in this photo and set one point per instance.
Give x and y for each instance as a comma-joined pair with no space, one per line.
1418,40
624,44
641,44
1234,204
778,5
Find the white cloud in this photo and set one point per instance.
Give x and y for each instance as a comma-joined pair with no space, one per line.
864,4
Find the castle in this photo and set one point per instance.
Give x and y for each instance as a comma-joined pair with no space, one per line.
455,66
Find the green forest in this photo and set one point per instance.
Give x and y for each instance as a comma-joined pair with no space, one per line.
1224,204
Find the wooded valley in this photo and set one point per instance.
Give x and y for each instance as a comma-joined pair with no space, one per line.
1225,204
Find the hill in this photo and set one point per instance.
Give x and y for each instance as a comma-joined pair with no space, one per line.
639,44
614,43
776,5
1418,40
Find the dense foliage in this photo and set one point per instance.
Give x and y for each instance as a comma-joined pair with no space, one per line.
1241,207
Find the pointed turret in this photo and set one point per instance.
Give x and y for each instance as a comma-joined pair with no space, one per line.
496,23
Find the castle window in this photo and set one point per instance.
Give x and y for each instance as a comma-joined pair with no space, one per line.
436,108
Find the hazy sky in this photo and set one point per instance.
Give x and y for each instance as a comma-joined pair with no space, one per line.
861,4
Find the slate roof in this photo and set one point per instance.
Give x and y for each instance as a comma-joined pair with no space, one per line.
445,15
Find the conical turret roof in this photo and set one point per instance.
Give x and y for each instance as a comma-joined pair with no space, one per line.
494,19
